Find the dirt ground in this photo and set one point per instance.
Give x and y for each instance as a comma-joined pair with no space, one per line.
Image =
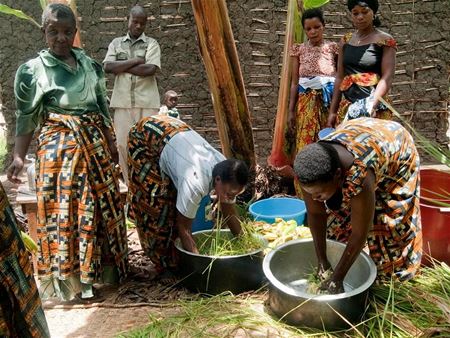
123,307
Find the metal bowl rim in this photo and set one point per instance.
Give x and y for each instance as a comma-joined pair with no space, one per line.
280,286
250,253
293,215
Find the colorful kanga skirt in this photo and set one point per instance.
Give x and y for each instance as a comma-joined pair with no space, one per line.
81,224
311,117
21,313
151,194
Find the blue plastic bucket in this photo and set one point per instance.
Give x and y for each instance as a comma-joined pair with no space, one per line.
200,221
284,207
325,132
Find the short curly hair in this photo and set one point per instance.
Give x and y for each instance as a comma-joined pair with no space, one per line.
61,11
317,162
313,13
232,171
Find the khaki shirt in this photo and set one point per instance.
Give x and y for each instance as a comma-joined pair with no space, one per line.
132,91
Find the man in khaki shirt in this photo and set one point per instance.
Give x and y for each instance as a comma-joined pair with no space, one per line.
134,59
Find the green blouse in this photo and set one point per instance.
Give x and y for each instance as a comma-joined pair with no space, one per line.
46,84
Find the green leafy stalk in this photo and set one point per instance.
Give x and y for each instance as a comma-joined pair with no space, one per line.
314,3
18,13
43,3
431,147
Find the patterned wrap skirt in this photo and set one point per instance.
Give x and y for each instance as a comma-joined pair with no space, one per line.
368,81
151,194
21,313
81,223
311,117
395,240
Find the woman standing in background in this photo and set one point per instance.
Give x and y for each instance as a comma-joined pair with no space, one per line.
366,67
313,71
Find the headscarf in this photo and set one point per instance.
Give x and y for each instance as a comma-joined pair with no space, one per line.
372,4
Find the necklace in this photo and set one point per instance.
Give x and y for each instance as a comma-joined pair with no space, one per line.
362,38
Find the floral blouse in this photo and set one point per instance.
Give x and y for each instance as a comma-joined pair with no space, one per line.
316,60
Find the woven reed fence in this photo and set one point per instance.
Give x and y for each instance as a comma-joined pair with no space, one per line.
420,90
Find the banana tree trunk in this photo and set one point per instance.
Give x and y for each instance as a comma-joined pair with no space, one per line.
219,53
283,148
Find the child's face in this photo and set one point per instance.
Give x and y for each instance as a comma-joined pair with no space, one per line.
171,101
314,30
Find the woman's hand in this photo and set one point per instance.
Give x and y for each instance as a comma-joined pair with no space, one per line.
184,226
323,269
14,170
332,286
292,122
113,150
331,121
111,142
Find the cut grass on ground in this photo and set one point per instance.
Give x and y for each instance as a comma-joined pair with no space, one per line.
417,308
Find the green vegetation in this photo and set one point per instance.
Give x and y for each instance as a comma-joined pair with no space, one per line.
222,243
417,308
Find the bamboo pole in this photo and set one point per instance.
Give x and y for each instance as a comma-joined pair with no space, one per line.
219,53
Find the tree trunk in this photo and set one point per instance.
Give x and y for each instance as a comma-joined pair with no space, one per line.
223,69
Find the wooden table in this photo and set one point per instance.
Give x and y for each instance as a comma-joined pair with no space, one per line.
27,200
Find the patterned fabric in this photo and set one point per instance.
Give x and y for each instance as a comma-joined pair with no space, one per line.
316,60
390,42
395,241
151,197
46,84
360,79
323,83
362,69
173,112
311,118
362,108
311,114
21,313
81,226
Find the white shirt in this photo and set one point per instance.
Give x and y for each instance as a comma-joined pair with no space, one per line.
188,159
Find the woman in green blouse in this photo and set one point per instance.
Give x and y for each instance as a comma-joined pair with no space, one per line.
81,228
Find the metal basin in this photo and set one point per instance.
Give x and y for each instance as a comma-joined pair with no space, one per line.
286,269
214,275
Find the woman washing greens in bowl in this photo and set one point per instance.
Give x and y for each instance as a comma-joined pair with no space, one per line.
361,187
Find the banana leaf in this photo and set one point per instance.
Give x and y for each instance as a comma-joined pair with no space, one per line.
314,3
18,14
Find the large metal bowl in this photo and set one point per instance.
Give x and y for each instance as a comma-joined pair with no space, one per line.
214,275
287,268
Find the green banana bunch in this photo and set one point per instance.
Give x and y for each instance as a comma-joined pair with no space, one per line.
30,245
